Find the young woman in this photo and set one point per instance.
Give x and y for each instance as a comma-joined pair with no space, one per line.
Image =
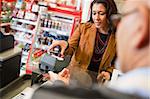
93,45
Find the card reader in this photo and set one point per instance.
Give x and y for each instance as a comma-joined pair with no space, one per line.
51,62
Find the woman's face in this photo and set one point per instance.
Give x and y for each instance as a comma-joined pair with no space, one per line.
99,15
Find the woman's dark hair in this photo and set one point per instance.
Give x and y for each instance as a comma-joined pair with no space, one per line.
111,8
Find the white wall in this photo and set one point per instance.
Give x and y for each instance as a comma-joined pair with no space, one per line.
85,10
119,4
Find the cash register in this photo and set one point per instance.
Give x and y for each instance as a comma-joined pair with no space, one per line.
10,57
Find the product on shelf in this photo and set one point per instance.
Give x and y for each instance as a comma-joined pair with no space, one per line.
6,11
26,47
37,53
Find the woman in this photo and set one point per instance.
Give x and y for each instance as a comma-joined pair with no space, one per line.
93,45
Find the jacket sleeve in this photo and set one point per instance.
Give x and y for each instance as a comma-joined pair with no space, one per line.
73,41
110,68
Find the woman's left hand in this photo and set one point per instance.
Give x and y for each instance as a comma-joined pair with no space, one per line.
103,75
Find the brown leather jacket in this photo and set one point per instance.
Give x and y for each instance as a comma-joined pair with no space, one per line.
81,46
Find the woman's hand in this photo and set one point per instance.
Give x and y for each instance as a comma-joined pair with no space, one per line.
62,43
103,76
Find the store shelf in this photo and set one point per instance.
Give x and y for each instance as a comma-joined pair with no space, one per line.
55,31
23,40
64,18
4,24
25,53
65,10
24,60
43,47
22,29
24,21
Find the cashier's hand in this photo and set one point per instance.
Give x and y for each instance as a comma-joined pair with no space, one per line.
62,43
103,75
64,76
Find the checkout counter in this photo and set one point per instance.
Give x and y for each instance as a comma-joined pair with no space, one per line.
9,65
10,58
